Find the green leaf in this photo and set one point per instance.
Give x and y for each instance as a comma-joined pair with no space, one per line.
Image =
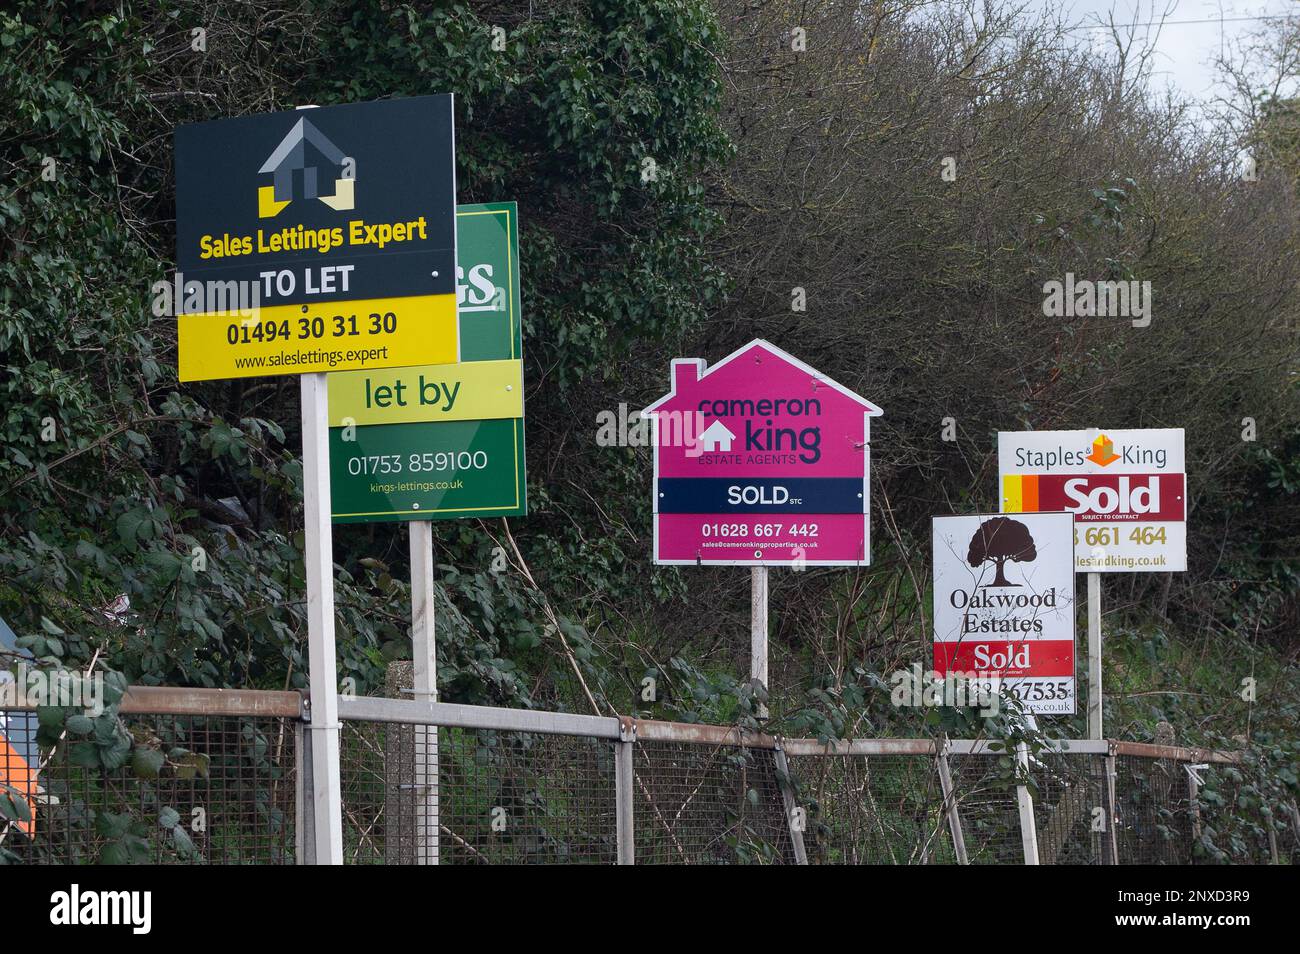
184,844
112,824
85,755
147,762
114,853
191,765
14,806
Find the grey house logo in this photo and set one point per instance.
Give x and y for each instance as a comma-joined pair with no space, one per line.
306,157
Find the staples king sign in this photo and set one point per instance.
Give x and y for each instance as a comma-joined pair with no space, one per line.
1126,489
760,459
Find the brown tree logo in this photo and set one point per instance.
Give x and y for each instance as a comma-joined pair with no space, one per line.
999,540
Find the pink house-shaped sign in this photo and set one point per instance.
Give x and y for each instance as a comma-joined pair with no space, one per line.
760,459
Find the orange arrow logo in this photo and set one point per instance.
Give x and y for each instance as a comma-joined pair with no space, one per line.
1103,451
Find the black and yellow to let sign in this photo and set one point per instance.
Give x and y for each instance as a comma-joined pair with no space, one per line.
317,240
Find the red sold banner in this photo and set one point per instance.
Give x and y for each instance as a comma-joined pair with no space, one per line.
1128,497
1044,659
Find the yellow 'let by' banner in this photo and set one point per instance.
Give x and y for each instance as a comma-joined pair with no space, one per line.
334,336
470,391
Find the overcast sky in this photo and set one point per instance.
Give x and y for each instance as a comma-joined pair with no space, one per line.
1184,51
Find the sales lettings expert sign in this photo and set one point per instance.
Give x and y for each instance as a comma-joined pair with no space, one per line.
317,240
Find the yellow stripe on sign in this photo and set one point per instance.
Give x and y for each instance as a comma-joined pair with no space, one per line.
1012,494
331,336
469,391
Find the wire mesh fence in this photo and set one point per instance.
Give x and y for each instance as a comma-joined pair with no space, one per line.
460,785
1072,811
985,796
422,794
705,803
221,789
872,809
1234,818
1153,820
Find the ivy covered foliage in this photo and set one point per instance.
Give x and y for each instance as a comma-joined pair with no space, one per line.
115,480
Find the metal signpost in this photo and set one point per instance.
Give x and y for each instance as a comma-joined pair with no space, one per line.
1128,493
760,461
327,791
424,664
1004,605
314,242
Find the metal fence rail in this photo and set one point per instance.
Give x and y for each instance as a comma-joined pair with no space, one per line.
432,783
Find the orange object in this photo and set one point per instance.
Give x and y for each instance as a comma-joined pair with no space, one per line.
16,774
1029,493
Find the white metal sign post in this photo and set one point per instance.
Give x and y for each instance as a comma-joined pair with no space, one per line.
1128,492
425,663
318,535
327,811
1094,656
758,631
1025,807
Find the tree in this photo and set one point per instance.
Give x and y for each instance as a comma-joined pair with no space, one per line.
999,540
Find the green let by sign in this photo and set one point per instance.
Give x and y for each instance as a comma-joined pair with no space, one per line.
440,442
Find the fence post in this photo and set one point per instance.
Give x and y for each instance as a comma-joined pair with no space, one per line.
297,794
305,830
624,819
950,806
1112,807
1025,802
1194,798
787,798
758,631
1095,730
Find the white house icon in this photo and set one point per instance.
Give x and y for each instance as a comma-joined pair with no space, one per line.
716,437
